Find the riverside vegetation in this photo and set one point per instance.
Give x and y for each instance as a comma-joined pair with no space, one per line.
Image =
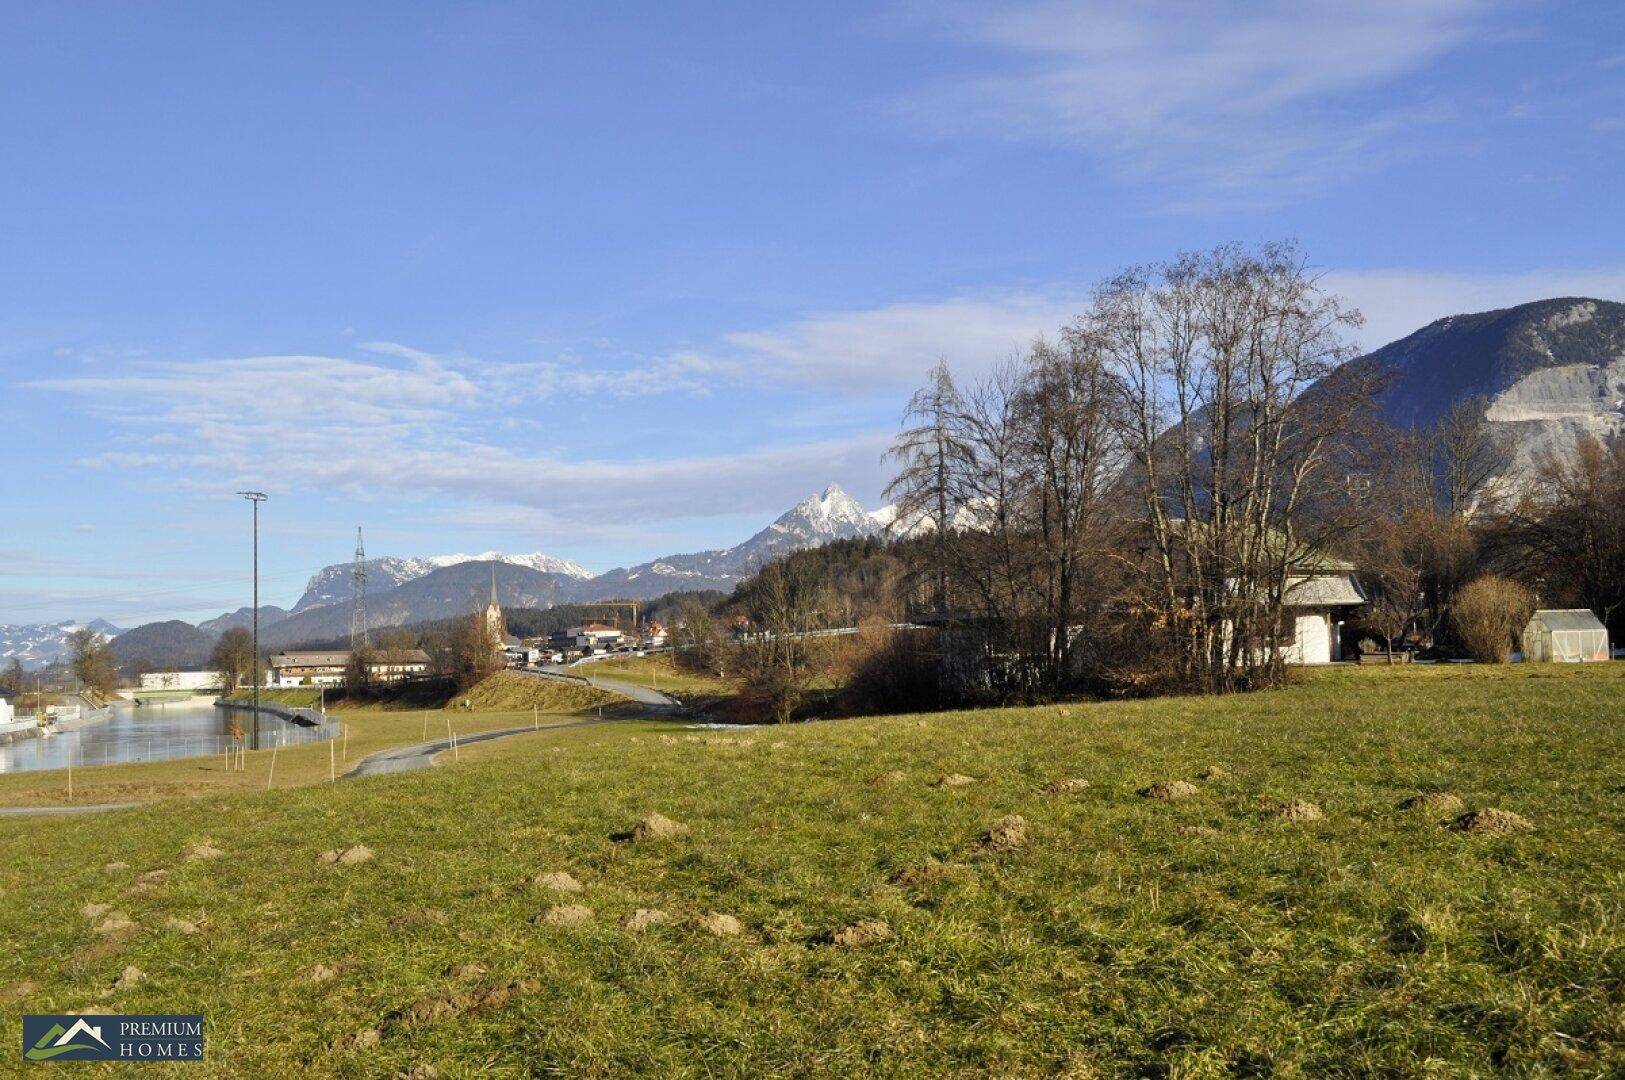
815,899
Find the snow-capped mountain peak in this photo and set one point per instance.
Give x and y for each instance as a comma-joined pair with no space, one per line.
832,514
536,560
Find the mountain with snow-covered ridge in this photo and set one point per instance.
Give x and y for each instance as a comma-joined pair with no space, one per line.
35,645
817,519
333,584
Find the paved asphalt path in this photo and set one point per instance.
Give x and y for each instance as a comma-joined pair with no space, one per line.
422,755
88,808
656,701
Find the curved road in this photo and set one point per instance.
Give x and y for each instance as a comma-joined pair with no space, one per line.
654,699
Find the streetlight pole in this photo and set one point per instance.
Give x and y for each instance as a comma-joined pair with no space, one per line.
255,498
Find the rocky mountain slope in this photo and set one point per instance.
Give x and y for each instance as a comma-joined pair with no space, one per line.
1551,371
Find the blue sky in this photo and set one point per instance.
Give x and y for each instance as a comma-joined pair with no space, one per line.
613,281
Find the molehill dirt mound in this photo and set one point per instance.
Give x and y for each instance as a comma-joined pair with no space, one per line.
653,827
1166,790
1067,786
860,934
643,919
1491,821
567,915
890,776
1296,810
350,856
1007,834
954,780
719,925
1214,772
1434,802
556,880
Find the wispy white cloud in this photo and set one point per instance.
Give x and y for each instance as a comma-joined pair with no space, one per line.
421,427
898,343
1221,102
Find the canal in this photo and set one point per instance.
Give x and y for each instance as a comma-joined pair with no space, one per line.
157,732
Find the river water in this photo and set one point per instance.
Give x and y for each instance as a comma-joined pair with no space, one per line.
178,729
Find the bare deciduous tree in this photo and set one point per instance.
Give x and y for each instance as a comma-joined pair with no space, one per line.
1471,458
1567,534
92,661
1212,354
929,451
233,657
780,657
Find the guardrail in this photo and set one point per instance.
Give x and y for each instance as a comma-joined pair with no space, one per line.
294,714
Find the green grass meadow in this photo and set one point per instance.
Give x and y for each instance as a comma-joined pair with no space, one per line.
1127,936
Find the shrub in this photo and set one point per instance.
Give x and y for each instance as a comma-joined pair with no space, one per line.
889,671
1487,614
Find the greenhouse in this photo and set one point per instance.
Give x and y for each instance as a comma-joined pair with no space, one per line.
1569,636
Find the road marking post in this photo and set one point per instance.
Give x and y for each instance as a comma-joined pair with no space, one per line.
271,775
332,771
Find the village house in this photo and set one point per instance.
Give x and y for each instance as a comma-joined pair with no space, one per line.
327,667
1317,604
591,638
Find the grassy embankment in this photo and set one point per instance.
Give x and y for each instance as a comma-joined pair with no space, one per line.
1202,936
505,700
660,673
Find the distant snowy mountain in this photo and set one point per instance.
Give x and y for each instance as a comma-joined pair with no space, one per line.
45,643
889,518
817,519
458,589
332,584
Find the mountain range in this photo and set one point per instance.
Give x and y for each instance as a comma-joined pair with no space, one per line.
1549,372
433,588
44,643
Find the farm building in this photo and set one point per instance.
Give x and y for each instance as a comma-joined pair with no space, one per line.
1566,635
